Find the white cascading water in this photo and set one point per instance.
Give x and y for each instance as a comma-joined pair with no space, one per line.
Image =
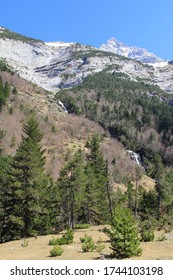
134,156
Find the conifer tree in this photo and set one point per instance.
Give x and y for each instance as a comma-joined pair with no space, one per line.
160,183
4,168
27,186
97,196
1,93
138,176
130,195
71,185
124,236
4,92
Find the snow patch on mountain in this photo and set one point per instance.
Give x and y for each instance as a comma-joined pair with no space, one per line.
58,65
140,54
58,44
2,29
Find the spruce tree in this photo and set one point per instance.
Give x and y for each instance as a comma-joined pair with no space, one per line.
97,192
124,235
27,186
71,185
4,189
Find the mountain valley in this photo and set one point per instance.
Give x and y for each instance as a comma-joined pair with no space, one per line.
105,119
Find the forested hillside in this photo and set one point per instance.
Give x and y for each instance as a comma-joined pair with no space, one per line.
140,116
136,113
60,170
44,152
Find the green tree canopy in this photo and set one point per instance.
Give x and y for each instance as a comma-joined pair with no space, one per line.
97,195
124,235
71,185
27,186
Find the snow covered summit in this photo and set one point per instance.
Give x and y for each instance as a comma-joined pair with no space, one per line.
140,54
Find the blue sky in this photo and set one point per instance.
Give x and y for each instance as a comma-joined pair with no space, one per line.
143,23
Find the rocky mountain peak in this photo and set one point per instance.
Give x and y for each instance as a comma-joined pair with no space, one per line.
57,65
115,43
140,54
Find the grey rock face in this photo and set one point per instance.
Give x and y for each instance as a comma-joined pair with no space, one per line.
139,54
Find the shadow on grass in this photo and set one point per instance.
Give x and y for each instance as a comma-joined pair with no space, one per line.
104,257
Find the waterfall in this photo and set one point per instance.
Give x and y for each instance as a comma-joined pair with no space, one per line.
63,107
134,156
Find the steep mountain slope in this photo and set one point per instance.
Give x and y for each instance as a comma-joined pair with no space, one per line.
140,54
63,133
63,65
135,113
115,97
119,93
105,83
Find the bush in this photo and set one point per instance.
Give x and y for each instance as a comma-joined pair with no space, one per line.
147,235
99,246
57,241
53,241
67,238
56,251
88,244
146,232
25,243
86,238
82,226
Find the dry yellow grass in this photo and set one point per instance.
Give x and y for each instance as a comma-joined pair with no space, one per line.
38,249
147,183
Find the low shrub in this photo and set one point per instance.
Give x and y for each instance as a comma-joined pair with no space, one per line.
99,246
82,226
86,238
25,243
54,241
147,235
67,238
146,232
88,244
57,241
56,251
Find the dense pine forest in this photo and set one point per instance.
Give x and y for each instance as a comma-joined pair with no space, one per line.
140,116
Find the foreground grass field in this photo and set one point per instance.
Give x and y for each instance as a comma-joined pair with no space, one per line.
38,249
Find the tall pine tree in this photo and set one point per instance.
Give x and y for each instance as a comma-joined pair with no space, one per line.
27,186
97,192
71,186
5,162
